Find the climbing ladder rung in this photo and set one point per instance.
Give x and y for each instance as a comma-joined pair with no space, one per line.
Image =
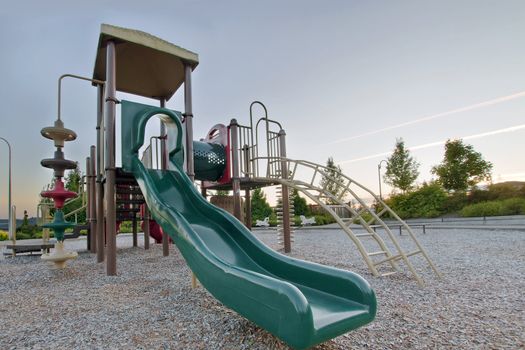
388,273
377,253
397,257
364,235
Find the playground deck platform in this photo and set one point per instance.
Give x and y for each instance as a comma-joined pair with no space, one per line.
150,304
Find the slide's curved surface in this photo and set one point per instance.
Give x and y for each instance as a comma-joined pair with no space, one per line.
300,302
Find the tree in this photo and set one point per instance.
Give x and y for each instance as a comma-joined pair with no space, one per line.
462,167
401,168
260,206
299,204
73,182
332,182
73,179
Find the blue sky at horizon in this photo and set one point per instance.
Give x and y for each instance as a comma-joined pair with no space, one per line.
327,70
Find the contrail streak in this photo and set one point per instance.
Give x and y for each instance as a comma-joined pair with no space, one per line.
435,116
439,143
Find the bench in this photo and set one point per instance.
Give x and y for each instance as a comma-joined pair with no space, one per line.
28,248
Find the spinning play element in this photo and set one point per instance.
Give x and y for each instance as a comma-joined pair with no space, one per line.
59,194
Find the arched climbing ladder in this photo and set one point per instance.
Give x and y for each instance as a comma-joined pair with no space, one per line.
305,176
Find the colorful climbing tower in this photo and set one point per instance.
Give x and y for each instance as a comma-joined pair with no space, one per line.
59,194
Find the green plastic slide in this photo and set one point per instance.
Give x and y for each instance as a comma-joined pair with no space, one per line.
300,302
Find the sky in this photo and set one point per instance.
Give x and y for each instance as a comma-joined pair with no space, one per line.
345,78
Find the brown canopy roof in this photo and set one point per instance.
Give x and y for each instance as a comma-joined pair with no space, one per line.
146,65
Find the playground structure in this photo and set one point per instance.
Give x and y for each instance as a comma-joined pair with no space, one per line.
59,134
300,302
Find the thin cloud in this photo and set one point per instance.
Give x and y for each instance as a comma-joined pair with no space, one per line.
435,116
439,143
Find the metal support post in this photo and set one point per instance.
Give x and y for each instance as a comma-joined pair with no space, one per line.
248,206
88,206
110,111
145,220
188,121
134,230
99,186
285,195
164,166
236,184
92,200
12,233
247,194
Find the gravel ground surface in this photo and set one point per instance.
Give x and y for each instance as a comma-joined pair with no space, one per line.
479,304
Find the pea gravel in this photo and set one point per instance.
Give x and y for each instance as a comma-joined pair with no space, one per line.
479,304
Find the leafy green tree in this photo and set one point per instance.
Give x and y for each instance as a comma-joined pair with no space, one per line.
401,168
299,204
332,182
462,167
260,206
73,179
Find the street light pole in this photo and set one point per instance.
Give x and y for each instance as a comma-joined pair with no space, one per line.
379,177
9,223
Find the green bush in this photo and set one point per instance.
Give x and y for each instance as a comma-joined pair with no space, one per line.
510,206
126,227
273,219
513,206
426,201
323,219
492,208
4,236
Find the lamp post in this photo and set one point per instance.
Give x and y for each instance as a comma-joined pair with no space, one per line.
9,224
379,177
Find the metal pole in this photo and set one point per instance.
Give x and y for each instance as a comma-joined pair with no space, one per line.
88,207
247,194
110,111
99,186
9,186
92,200
248,205
379,178
145,220
236,185
164,166
286,196
134,230
188,120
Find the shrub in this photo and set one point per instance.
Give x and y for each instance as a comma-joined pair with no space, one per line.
273,219
126,227
427,201
4,236
492,208
324,219
513,206
510,206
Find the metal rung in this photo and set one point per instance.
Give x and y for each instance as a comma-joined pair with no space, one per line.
397,257
364,235
413,253
377,253
388,273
